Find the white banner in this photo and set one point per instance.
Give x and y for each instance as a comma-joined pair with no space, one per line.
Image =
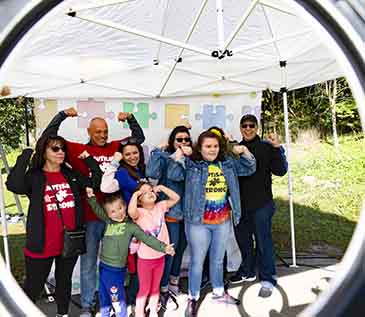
157,117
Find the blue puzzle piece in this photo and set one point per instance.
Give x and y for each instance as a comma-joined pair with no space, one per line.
214,116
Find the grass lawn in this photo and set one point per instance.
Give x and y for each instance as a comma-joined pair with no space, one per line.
327,192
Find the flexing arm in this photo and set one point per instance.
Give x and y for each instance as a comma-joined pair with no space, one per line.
96,173
278,164
133,204
157,164
54,125
136,130
95,206
246,164
19,179
173,197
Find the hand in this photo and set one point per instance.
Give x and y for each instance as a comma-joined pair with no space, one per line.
273,139
137,193
123,116
118,156
70,112
89,192
179,154
169,249
228,137
157,189
163,146
240,149
187,150
188,125
84,155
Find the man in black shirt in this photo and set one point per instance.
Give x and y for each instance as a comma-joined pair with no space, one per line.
258,207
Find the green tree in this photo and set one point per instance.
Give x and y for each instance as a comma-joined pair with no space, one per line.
12,121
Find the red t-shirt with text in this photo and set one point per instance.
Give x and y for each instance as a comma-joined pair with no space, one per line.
102,154
53,229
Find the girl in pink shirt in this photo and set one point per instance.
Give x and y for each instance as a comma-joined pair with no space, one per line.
150,216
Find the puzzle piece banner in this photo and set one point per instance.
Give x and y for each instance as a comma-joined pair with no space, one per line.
176,115
157,117
44,111
88,109
141,111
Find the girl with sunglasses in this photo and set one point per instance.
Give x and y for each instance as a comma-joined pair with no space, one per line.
50,185
156,168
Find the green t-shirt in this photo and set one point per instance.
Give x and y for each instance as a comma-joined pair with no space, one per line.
115,243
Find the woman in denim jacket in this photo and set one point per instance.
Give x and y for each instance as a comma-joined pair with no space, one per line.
157,169
211,202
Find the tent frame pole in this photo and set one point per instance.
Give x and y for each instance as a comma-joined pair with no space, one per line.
147,35
220,23
270,41
4,224
244,18
102,5
284,92
178,58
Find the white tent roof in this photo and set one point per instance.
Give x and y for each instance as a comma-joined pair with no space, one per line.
129,49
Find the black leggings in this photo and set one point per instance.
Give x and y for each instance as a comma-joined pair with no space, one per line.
36,273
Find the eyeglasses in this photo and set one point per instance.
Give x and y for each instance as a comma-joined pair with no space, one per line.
248,125
183,139
130,140
57,148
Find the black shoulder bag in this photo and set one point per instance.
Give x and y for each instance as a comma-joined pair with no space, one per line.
74,242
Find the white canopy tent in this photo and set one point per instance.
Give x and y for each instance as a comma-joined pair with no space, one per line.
139,49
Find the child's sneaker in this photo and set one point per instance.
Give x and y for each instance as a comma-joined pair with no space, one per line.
225,299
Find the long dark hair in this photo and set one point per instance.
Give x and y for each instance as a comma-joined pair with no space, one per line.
197,155
132,171
43,142
179,129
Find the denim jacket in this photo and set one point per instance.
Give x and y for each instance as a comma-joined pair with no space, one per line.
156,168
195,174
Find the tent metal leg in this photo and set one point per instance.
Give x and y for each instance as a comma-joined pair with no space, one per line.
290,186
4,224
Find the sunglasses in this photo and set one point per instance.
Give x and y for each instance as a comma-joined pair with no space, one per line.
57,148
183,139
130,140
248,125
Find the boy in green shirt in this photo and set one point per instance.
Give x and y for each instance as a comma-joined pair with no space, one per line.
114,251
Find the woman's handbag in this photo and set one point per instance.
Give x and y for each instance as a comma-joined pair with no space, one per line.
74,243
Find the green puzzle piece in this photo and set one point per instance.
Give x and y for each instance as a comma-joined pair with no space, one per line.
141,111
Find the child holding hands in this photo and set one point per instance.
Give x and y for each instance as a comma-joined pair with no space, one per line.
119,231
150,216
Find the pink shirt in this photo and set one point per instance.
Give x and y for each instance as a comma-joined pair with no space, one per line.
153,223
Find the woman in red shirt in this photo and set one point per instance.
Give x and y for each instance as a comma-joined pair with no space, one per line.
48,181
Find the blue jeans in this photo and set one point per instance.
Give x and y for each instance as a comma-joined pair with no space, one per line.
257,223
111,290
201,238
94,234
173,263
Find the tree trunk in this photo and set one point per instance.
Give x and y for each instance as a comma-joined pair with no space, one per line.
331,89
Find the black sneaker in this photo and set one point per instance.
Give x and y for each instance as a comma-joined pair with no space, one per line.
192,308
238,278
